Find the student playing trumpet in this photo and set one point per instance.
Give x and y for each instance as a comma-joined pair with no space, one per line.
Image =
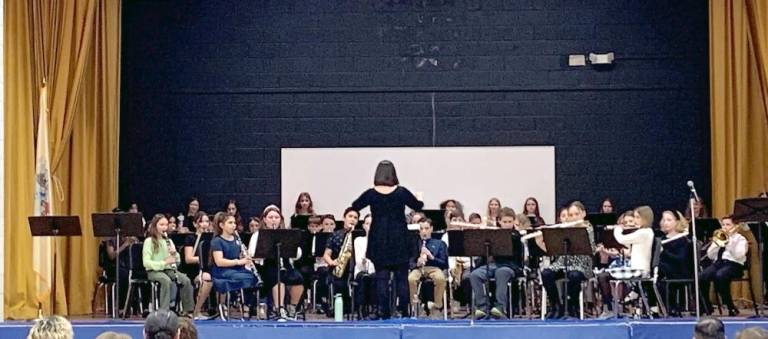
728,251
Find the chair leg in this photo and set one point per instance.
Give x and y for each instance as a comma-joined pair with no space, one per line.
242,304
93,300
113,294
544,303
127,300
662,306
581,303
644,298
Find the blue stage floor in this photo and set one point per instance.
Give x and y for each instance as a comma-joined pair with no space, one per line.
411,329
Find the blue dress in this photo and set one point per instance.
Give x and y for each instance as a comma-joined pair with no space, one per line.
230,278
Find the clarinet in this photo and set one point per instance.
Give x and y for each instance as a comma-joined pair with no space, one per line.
244,253
168,243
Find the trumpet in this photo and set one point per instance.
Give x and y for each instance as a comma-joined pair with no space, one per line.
720,237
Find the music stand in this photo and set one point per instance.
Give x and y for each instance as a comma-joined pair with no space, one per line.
602,219
567,241
706,227
488,243
106,225
438,219
300,222
278,244
54,226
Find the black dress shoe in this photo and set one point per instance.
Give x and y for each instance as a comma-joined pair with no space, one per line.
733,312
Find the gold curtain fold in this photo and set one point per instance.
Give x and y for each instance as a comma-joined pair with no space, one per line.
75,45
738,68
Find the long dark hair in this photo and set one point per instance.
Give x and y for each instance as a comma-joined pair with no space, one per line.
386,175
154,233
310,208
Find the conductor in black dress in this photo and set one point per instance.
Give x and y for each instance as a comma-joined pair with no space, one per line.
388,249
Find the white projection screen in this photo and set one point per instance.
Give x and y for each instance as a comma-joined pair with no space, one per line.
335,177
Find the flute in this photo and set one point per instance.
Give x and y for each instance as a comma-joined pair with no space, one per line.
674,237
535,234
457,225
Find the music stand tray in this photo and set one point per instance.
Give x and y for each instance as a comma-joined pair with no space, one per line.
288,239
706,227
54,226
437,217
602,219
750,210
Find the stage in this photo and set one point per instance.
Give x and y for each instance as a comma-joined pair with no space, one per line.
412,329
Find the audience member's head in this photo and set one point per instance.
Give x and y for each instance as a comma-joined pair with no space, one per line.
709,328
161,325
113,335
752,333
53,327
187,329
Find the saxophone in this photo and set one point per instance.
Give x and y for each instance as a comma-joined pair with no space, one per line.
344,256
456,272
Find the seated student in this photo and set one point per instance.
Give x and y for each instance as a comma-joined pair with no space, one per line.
476,219
228,264
459,269
728,264
492,213
607,256
676,258
430,263
579,266
160,260
365,291
328,222
340,248
531,208
108,257
640,244
502,268
304,205
272,219
202,224
315,269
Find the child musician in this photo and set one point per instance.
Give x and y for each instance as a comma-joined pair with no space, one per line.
676,257
160,260
201,224
579,266
728,264
272,219
228,264
365,291
502,268
334,248
430,263
640,243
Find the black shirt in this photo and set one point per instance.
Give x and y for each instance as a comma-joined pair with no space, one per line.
676,260
335,242
387,243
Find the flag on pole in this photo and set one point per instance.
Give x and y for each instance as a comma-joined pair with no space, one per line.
41,246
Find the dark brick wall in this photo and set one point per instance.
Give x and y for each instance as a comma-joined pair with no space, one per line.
212,89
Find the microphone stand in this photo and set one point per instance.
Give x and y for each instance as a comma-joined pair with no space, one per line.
695,257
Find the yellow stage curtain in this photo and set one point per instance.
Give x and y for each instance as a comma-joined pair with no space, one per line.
738,68
75,45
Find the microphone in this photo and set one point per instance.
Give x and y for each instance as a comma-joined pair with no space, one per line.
693,190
